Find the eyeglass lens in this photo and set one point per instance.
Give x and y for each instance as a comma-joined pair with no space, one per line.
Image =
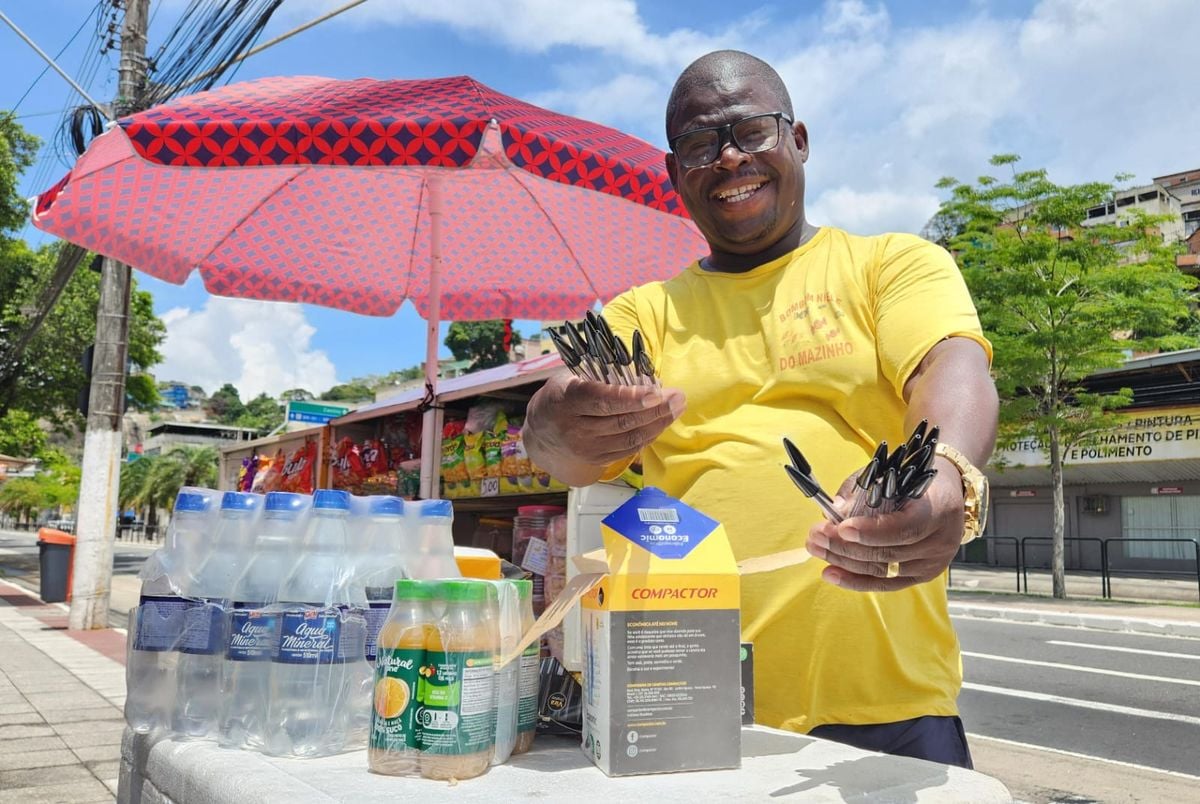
752,135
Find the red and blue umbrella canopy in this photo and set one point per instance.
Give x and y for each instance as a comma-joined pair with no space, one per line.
323,191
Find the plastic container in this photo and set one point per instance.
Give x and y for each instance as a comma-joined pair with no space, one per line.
394,747
56,556
530,550
528,673
493,533
458,697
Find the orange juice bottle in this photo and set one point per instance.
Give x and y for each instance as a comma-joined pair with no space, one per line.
457,711
394,747
527,674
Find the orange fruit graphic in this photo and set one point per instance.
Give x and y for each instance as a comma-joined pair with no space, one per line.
391,697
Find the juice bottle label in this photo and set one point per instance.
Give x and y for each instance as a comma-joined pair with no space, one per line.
316,636
457,693
251,633
393,727
527,704
204,628
160,622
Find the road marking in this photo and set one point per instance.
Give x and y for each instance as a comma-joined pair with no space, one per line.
1100,707
1097,670
1092,629
1164,653
1133,765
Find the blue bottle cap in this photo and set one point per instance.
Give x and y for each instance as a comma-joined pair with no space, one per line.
284,501
237,501
332,499
387,506
187,501
436,508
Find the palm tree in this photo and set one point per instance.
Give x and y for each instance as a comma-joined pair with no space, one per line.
157,482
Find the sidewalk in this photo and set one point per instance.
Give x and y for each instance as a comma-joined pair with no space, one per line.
1145,605
61,694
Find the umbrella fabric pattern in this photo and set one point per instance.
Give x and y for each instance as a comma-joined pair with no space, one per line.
314,190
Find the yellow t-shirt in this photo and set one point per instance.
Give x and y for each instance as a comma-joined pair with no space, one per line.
816,346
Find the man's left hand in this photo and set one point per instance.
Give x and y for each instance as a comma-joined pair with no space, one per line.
922,538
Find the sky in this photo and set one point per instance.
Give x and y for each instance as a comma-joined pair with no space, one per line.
895,96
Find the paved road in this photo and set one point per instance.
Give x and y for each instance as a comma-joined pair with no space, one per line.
19,564
1073,714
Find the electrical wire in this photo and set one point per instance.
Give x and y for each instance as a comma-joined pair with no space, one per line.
58,55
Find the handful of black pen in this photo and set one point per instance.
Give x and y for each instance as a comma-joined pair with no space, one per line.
887,482
594,352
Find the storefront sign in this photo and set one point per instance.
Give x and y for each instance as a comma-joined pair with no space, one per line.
1167,490
1161,435
1022,493
314,412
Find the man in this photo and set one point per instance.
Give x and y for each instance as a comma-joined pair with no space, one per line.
836,341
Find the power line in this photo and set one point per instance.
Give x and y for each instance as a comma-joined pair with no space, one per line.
58,55
50,61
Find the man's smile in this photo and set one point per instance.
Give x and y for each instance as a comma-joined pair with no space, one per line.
739,192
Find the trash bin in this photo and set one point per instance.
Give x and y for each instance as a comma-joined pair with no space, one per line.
56,556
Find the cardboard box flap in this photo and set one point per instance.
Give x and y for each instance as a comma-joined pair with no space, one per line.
655,533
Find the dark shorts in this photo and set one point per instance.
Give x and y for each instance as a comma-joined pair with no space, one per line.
938,739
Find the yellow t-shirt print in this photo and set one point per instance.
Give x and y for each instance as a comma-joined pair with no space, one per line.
816,346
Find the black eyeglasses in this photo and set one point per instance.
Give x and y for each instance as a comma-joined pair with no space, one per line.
751,135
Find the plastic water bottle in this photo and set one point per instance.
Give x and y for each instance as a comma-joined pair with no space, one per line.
320,679
158,624
379,561
431,523
202,649
246,675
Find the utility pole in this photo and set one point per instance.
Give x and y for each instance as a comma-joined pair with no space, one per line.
96,518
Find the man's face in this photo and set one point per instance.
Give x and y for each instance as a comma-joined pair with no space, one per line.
742,203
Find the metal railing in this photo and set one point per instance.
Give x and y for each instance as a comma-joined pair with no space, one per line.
988,541
1104,590
1106,547
1109,570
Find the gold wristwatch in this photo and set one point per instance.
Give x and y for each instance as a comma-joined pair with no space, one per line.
975,491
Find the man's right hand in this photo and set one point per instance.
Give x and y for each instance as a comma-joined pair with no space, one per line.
574,428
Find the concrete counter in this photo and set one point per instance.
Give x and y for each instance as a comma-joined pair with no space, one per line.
775,764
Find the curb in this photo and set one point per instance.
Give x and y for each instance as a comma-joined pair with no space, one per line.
1070,619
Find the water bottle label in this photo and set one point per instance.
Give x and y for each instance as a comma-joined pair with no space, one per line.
320,635
456,693
527,706
376,615
397,673
160,622
204,630
252,633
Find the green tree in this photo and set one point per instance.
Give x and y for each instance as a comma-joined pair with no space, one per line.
481,342
50,375
55,486
262,413
18,149
348,392
225,405
297,395
151,483
20,435
1061,301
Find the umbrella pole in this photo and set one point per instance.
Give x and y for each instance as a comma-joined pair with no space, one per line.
431,431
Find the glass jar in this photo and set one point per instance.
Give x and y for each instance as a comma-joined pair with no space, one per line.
530,550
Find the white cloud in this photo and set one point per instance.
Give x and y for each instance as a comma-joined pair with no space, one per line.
872,211
258,346
853,17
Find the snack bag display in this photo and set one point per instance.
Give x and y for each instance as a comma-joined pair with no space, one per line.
493,446
270,474
454,469
299,475
346,468
515,471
